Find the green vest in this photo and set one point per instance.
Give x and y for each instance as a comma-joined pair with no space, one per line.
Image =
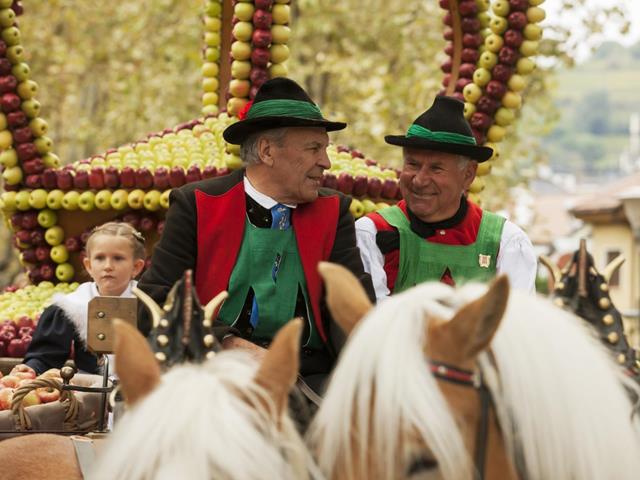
423,261
262,252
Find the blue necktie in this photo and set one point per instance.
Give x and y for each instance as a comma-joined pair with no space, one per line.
280,220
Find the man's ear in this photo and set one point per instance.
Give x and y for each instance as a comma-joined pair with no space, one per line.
470,173
266,151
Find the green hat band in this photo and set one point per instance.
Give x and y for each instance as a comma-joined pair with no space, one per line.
284,108
444,137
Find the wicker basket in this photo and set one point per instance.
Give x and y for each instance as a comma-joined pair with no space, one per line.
74,412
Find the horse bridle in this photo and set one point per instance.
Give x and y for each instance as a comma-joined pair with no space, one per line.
467,378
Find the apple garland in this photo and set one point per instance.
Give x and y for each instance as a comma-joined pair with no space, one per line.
212,20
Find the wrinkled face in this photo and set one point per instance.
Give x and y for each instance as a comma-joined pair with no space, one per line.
111,264
298,163
432,183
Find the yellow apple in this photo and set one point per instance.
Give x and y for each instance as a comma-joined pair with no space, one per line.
496,133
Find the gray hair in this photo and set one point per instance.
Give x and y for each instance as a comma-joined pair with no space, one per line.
249,148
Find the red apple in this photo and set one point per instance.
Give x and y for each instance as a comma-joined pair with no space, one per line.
23,236
518,5
262,19
23,371
460,84
132,219
467,69
508,55
6,395
193,174
47,394
26,151
517,20
5,64
447,19
10,102
329,180
33,181
17,119
374,187
470,55
501,73
144,178
25,321
161,178
448,49
43,252
29,255
17,8
345,183
258,76
37,237
147,223
260,57
513,38
390,189
73,243
18,346
359,186
467,7
127,177
10,381
3,349
447,34
29,220
96,178
446,66
496,89
224,171
470,25
356,153
22,135
479,136
209,171
261,38
111,178
480,121
177,177
33,165
444,4
263,4
49,179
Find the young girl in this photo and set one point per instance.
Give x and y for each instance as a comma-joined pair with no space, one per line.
114,258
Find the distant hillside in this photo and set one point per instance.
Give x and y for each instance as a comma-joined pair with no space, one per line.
595,100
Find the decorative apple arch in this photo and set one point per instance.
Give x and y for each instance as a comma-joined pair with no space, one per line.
51,208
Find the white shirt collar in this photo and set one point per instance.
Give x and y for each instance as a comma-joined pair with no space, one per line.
263,200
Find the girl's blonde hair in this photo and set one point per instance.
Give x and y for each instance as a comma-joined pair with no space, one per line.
120,229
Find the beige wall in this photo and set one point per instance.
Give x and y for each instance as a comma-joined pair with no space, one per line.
626,296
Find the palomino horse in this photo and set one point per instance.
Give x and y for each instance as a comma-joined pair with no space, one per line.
444,383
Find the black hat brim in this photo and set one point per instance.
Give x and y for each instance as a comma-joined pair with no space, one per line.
238,132
479,154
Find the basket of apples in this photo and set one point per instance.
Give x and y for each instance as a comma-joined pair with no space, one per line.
40,404
15,337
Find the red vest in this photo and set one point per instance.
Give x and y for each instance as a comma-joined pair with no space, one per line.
221,221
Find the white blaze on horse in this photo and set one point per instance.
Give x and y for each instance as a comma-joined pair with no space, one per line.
405,399
225,418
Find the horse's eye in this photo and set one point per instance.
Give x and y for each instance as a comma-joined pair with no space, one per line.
421,465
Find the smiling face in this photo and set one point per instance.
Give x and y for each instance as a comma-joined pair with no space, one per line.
432,182
297,163
111,264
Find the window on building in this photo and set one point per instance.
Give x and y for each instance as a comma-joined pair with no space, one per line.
615,278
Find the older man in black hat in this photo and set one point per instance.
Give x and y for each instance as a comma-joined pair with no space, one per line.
260,232
435,233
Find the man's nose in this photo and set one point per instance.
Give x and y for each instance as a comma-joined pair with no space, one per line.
324,161
422,178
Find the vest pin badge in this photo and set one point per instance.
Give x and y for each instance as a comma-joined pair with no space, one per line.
484,260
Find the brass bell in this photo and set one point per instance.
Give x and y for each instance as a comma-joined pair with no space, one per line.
164,323
162,340
604,287
613,337
621,358
608,319
604,303
206,323
208,340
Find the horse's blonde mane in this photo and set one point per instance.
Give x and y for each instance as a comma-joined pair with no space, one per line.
381,386
205,421
560,397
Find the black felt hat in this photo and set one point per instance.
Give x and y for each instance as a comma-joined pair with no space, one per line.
280,102
442,128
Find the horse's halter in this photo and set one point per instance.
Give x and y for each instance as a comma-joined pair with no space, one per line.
467,378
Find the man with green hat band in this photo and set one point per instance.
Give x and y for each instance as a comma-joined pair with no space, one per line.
435,233
260,232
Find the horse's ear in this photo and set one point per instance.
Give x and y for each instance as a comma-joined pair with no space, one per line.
346,299
136,365
279,369
473,326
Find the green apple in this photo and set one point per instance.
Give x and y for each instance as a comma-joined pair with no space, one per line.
9,158
368,205
6,3
103,200
54,235
31,107
501,8
164,199
525,66
21,71
11,36
39,127
50,160
22,200
211,84
54,199
240,69
64,272
281,14
12,175
87,201
210,69
485,20
244,11
9,200
27,89
152,200
517,83
59,253
483,5
477,185
43,144
239,51
38,198
7,16
70,200
135,199
504,116
472,92
532,32
488,60
239,88
280,34
494,42
278,70
481,76
279,53
212,24
535,14
15,54
469,109
498,25
212,39
356,208
47,218
213,9
512,100
119,199
529,48
496,133
211,54
243,31
211,98
6,139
